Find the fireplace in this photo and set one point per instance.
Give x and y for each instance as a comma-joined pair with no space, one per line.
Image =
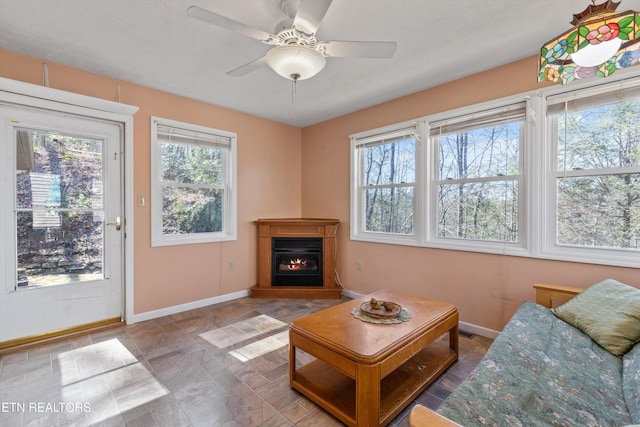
296,261
296,258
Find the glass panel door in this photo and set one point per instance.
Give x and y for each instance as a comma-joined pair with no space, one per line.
60,177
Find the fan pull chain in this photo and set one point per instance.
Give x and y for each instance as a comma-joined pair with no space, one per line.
294,85
45,75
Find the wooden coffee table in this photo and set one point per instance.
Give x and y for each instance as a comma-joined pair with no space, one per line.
364,373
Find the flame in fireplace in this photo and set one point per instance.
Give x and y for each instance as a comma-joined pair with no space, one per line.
297,264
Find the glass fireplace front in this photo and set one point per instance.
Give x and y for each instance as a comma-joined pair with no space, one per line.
297,261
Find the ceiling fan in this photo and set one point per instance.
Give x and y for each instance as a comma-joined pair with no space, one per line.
297,54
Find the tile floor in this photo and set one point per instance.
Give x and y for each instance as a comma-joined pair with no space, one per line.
222,365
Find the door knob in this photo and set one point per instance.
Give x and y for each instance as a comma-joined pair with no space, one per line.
118,223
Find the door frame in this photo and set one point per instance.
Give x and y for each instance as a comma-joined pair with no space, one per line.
29,95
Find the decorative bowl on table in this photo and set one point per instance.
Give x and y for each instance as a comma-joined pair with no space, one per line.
381,309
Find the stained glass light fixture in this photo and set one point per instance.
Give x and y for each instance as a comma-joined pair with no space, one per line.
600,42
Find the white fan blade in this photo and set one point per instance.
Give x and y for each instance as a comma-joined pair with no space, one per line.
310,14
230,24
359,49
248,68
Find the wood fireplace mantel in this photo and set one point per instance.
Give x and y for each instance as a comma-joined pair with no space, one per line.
296,227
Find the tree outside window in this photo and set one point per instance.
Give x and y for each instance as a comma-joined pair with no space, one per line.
553,174
389,177
479,181
383,178
598,176
193,185
193,189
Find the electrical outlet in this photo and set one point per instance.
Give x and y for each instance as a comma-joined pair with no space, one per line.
231,265
359,265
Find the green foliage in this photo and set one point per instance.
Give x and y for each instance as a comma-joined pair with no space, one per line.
193,196
188,164
600,207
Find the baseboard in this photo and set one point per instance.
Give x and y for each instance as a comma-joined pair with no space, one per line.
351,294
33,340
154,314
479,330
468,327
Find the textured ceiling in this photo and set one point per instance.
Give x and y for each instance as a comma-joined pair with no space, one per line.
155,44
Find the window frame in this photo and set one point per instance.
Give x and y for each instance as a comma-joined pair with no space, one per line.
229,165
550,248
537,227
488,246
358,221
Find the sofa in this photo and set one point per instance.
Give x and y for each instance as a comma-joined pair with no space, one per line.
577,364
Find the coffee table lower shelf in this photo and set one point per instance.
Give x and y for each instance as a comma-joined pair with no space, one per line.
336,392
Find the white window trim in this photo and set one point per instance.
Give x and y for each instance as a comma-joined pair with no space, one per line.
549,248
495,247
537,229
229,228
357,213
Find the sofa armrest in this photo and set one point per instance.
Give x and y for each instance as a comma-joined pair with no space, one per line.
547,294
420,416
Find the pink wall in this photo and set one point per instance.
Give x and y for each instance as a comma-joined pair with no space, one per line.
487,289
269,168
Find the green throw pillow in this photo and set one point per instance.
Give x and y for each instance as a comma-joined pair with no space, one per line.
609,312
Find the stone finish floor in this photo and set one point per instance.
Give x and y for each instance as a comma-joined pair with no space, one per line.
222,365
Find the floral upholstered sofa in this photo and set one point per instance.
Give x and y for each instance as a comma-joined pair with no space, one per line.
575,365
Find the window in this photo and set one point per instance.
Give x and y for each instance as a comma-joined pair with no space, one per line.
193,179
595,173
479,174
384,179
553,174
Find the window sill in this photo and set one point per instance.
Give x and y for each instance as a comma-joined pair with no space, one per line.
191,240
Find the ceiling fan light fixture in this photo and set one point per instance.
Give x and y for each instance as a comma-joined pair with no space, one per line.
295,62
297,54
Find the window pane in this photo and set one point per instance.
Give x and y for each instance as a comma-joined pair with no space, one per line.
191,164
599,211
194,180
479,210
59,201
389,210
58,247
187,210
606,136
486,152
391,163
59,171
